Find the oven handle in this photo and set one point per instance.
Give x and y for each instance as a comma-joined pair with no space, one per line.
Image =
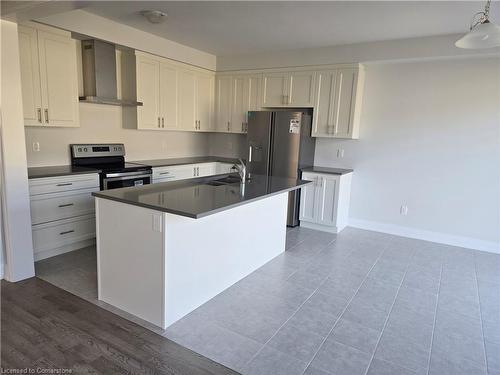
125,174
133,177
128,177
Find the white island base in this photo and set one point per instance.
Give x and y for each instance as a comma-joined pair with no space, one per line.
160,266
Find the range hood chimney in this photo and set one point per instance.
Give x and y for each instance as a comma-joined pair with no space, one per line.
99,74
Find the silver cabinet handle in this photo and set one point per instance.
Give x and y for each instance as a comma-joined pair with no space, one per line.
228,125
39,113
164,173
163,122
47,115
65,184
66,205
242,126
250,154
66,232
158,121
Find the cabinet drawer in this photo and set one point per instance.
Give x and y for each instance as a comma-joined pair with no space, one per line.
173,173
50,207
64,183
61,233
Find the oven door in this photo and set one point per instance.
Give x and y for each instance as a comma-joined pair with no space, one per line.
120,180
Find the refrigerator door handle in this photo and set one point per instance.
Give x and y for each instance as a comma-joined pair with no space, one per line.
250,154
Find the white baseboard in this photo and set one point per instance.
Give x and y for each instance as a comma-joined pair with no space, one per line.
420,234
63,249
323,228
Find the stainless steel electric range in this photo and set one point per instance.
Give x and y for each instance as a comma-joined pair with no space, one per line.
109,159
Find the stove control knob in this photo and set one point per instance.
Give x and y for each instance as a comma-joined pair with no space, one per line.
85,149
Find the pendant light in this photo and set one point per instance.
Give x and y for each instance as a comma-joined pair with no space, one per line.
482,33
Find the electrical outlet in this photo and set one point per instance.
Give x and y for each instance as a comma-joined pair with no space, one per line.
340,153
403,210
36,146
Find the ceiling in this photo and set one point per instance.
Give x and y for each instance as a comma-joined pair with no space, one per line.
225,28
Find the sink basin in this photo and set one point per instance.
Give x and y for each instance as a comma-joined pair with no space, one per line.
229,180
224,181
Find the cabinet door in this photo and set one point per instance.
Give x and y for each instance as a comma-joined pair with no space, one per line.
300,91
148,92
325,103
345,96
223,95
308,199
206,169
240,104
254,96
30,76
168,96
187,100
274,89
58,77
204,101
326,200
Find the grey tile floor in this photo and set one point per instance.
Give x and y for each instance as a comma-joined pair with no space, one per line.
357,303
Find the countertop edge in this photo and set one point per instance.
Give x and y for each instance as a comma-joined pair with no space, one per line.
327,170
98,194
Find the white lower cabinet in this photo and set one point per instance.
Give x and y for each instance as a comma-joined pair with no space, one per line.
324,204
187,171
62,213
49,238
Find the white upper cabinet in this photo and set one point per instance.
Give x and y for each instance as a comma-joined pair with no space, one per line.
300,89
274,89
175,96
148,92
187,100
235,96
30,76
48,77
223,95
204,101
338,103
168,96
288,89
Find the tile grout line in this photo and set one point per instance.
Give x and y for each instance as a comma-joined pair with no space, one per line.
389,314
343,311
291,316
435,318
481,315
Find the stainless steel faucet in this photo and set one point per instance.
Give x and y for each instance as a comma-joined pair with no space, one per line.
242,170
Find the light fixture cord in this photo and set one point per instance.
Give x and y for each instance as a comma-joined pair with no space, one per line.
484,16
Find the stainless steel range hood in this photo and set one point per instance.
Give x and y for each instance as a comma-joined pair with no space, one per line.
99,74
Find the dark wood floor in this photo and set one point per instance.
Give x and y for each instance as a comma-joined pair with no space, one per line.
46,327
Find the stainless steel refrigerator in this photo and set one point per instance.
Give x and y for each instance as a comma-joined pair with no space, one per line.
280,144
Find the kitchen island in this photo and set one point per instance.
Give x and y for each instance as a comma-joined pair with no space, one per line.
165,249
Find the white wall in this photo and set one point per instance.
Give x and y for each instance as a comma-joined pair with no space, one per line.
227,145
430,139
89,24
432,47
16,208
103,123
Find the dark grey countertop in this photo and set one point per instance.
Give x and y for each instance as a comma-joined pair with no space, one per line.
181,161
196,199
58,170
327,170
62,170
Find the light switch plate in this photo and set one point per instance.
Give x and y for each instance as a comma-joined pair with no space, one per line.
157,223
36,146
